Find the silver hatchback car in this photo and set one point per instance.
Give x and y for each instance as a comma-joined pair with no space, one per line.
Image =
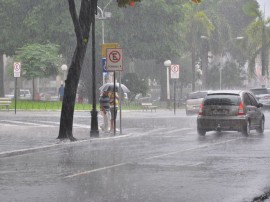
193,102
230,111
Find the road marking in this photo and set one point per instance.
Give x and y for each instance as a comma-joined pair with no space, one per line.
26,123
50,124
96,170
178,130
33,149
193,148
153,157
74,125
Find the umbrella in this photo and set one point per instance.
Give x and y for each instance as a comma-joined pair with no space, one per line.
110,87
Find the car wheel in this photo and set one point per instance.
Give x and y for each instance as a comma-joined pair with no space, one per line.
261,128
201,132
246,129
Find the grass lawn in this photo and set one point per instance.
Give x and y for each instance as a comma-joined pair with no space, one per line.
57,105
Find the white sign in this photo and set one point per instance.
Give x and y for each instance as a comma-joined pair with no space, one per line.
175,71
17,69
114,59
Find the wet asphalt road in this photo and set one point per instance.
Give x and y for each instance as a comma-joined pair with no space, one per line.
159,157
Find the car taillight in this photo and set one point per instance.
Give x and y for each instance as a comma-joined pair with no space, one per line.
201,109
241,109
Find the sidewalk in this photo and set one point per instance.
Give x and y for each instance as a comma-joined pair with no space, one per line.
36,139
27,138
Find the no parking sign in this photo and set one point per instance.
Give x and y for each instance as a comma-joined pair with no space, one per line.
114,59
175,71
17,69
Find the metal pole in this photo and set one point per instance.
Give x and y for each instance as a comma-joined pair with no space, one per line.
168,88
15,95
220,72
94,120
120,103
174,96
102,26
114,104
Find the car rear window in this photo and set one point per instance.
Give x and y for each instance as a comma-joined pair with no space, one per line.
222,99
197,95
259,91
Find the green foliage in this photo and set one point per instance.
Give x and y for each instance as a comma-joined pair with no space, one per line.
252,9
148,30
258,39
38,60
232,75
14,33
44,105
135,84
50,21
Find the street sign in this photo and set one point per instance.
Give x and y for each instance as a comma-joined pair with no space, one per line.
108,45
17,69
104,70
114,59
175,71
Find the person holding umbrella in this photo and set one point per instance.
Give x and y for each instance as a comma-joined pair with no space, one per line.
104,102
113,88
113,108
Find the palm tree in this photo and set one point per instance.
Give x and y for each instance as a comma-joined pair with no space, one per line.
197,24
258,34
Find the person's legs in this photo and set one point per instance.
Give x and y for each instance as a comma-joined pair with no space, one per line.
109,119
106,121
112,118
102,126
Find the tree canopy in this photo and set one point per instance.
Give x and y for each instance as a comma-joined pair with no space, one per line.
39,60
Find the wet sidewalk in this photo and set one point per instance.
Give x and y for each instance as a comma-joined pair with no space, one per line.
20,135
21,140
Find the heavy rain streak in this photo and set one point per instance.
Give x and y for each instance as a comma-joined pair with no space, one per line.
135,100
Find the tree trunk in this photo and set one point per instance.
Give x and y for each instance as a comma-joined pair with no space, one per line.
193,57
204,64
263,52
82,28
163,91
68,104
33,86
2,89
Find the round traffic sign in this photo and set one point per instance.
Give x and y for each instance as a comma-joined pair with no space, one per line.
17,67
114,56
175,68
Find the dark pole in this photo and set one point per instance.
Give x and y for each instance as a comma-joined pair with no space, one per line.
15,94
114,107
94,120
174,96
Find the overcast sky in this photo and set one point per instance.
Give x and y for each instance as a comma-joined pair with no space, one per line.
265,4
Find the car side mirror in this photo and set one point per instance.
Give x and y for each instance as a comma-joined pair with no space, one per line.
260,105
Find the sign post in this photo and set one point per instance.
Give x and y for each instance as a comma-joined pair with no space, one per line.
17,74
104,47
114,62
174,75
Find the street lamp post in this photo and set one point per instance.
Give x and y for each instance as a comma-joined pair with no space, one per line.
199,75
222,55
94,120
104,16
167,64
